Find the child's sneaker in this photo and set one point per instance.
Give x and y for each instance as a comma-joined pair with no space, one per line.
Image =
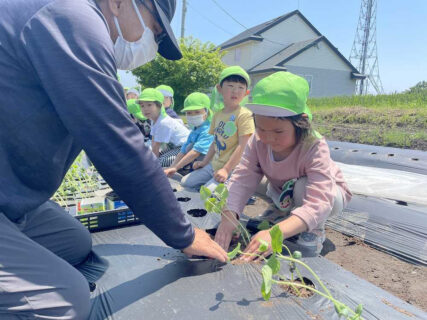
311,241
273,214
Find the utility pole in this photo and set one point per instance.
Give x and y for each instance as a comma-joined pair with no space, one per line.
364,50
184,11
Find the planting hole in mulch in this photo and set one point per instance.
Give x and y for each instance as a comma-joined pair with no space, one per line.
415,159
183,199
391,154
174,190
197,213
336,148
373,153
304,293
354,150
402,203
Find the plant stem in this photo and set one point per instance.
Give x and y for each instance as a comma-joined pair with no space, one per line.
309,269
314,290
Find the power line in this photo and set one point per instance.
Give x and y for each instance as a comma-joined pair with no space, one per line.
209,20
228,14
234,19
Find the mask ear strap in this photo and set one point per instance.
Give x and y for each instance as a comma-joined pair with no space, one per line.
138,14
118,27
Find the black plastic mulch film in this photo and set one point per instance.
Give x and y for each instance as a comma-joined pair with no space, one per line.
138,277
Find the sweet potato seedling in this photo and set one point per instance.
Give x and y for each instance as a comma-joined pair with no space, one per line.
215,202
272,268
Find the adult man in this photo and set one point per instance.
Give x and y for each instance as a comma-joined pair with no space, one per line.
59,94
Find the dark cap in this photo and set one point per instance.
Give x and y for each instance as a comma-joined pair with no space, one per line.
169,47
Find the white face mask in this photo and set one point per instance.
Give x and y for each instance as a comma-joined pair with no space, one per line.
195,121
131,55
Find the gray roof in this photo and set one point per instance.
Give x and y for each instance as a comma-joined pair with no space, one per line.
279,58
254,32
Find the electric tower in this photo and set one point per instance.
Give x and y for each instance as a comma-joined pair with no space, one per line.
364,50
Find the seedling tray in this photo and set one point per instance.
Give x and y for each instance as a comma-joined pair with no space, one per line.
110,219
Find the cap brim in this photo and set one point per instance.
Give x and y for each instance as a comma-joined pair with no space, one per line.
169,47
192,108
269,111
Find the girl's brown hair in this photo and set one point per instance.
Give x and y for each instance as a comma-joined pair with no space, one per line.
302,125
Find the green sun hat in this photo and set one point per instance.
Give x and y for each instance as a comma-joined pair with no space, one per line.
282,94
196,101
151,94
165,90
134,109
235,71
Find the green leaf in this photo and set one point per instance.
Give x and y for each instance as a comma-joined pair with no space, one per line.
264,225
232,254
210,204
205,193
276,239
265,294
266,282
263,245
274,264
222,204
222,191
342,310
359,309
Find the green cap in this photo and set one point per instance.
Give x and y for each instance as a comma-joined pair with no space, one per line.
196,101
282,94
165,90
134,109
151,94
235,71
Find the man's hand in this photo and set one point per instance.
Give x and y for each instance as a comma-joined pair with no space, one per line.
221,175
198,165
226,228
203,245
253,246
170,171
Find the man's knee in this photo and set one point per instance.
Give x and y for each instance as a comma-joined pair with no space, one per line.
82,241
74,298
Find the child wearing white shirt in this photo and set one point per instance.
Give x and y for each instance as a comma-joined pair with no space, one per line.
164,129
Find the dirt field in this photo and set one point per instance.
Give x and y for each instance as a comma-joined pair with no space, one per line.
402,279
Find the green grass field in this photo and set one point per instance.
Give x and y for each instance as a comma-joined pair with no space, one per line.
395,120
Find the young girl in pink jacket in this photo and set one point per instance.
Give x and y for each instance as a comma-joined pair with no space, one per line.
305,185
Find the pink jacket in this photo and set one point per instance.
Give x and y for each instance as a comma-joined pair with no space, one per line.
312,161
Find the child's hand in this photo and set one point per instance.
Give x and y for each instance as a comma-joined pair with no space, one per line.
254,245
225,230
221,175
170,171
198,165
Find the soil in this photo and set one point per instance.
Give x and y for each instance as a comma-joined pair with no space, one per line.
402,279
197,213
183,199
303,292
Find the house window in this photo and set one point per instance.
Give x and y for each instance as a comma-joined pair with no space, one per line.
237,54
309,79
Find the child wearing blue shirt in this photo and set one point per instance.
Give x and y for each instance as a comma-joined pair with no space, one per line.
197,109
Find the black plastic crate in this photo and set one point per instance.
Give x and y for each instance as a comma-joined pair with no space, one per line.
103,220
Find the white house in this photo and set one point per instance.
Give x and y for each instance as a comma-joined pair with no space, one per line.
291,43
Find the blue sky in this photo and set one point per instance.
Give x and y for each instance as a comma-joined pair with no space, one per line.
401,29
